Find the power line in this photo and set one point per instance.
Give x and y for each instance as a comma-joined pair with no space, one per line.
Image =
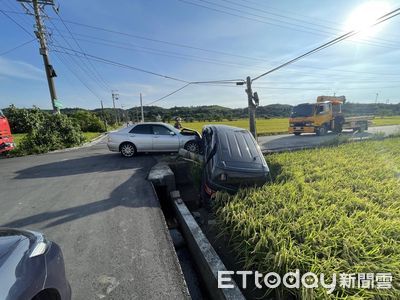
214,82
294,26
302,21
272,13
198,58
17,47
107,61
80,48
62,60
158,41
169,94
15,22
323,88
324,21
83,65
384,18
154,51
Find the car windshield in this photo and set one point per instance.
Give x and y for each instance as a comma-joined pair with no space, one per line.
303,110
1,114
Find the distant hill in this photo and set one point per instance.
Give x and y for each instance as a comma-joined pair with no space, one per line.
216,112
211,113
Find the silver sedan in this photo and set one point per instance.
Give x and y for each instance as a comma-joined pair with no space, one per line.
152,137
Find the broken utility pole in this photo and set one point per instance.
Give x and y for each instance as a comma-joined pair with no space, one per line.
115,97
40,33
252,103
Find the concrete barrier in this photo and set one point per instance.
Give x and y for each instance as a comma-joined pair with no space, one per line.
206,259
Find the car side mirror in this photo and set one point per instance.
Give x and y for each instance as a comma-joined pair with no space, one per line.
172,133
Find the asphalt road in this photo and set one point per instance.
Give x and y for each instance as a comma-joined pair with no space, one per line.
290,141
103,213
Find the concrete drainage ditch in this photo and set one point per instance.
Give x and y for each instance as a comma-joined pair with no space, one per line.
179,200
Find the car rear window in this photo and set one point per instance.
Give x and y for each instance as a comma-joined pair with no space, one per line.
142,129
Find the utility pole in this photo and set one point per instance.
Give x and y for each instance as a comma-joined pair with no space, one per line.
125,114
41,35
141,105
115,96
376,98
104,116
252,107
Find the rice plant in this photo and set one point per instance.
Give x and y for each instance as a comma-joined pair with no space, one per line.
330,210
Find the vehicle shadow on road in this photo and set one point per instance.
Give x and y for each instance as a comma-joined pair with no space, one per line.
134,192
82,165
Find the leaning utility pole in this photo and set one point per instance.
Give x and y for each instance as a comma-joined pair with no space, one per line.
141,105
41,35
251,107
115,97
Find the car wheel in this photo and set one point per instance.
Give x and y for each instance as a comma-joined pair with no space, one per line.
128,149
297,133
192,147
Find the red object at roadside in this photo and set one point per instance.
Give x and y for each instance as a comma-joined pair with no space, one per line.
6,138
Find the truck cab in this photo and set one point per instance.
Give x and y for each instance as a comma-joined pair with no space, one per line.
6,138
323,116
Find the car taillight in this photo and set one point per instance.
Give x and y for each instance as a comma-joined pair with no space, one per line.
209,191
223,177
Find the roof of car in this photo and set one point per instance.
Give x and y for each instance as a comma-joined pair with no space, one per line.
152,123
224,128
236,144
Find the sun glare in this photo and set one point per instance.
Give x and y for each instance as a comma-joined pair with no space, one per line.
364,16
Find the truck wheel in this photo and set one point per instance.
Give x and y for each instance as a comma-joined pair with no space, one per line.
297,133
322,131
338,129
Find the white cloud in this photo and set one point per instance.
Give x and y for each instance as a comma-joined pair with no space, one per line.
20,69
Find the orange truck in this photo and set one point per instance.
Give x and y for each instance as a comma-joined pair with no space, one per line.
6,138
323,116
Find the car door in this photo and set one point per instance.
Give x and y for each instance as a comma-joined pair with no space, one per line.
164,139
142,136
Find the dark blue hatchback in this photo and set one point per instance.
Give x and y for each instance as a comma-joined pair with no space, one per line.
31,267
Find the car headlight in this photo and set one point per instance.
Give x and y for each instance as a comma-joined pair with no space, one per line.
40,248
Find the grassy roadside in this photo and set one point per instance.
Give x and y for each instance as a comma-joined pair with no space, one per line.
385,121
89,136
330,210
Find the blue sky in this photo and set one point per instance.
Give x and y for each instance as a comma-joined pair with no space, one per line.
238,39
